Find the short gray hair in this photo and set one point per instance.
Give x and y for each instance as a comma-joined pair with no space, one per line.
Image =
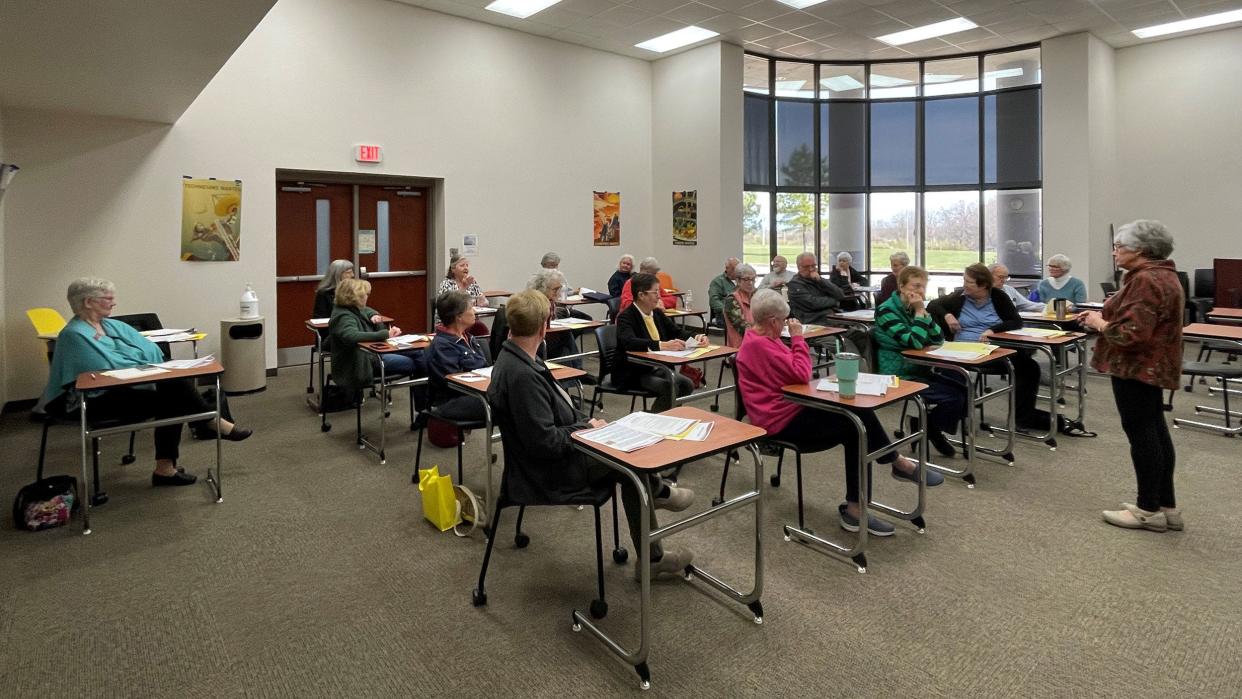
626,256
900,256
767,304
542,280
744,268
803,255
550,258
844,256
87,288
1061,261
649,265
1147,237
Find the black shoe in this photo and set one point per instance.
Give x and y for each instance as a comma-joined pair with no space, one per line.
941,443
178,478
238,434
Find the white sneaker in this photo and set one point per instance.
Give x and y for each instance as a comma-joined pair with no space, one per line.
1134,517
1172,517
677,499
673,562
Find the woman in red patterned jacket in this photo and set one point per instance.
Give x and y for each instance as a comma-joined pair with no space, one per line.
1140,346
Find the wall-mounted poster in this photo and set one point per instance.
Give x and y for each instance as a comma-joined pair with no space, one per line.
211,220
607,218
686,218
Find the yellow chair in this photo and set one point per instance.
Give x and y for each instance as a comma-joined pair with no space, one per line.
48,322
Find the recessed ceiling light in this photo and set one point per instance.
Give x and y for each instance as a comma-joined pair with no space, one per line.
675,40
520,8
1186,25
840,83
949,26
879,80
800,4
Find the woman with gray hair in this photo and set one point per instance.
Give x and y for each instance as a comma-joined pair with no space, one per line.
326,291
1059,284
94,342
737,310
850,280
765,363
888,285
1140,347
550,283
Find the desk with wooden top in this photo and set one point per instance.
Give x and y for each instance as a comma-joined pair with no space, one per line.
1058,367
681,314
668,364
1229,316
98,381
319,328
577,328
726,435
472,384
831,401
385,387
964,368
1231,337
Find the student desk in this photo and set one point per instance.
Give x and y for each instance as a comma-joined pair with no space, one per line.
319,328
578,328
669,364
681,314
1090,306
830,401
1058,361
1225,315
963,368
496,294
96,381
1221,334
378,349
1069,322
726,435
477,387
861,319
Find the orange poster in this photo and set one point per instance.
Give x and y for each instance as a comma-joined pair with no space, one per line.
607,218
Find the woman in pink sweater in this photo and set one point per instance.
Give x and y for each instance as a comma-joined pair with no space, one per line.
765,363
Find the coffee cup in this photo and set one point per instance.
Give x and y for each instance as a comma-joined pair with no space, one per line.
847,373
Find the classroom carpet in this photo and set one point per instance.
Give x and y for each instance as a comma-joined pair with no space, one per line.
317,576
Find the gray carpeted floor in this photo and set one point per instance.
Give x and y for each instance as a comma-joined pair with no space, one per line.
317,576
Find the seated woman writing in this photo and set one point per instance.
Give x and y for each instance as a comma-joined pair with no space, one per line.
550,282
901,323
354,322
94,342
765,363
454,350
643,327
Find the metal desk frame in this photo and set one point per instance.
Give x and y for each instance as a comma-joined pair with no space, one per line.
385,387
1056,379
669,374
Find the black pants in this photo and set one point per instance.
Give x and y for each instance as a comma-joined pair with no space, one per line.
169,398
817,430
1025,389
947,394
657,383
1141,408
461,408
599,474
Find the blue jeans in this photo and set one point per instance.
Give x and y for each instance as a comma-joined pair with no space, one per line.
948,395
400,363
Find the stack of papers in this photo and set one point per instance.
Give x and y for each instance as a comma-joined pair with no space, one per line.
171,335
807,328
638,430
569,323
135,373
317,321
962,350
1038,332
187,363
690,353
861,314
574,297
401,340
865,385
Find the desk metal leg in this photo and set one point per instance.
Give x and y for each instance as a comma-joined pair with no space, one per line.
969,436
638,656
214,479
363,442
82,497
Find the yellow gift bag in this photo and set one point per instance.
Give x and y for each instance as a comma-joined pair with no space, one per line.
439,502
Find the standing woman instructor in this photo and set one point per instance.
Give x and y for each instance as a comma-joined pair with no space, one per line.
1140,346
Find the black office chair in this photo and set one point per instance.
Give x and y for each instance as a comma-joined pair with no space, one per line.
55,414
461,426
614,309
1108,288
606,342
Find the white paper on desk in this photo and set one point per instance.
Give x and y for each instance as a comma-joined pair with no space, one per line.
859,389
187,363
321,320
662,425
805,329
861,314
584,291
699,432
574,297
485,372
166,331
675,353
568,323
1038,332
954,354
178,337
406,339
620,437
484,311
126,374
469,378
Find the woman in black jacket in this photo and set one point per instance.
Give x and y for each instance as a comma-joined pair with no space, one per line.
643,327
326,291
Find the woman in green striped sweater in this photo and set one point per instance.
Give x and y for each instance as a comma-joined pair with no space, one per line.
902,322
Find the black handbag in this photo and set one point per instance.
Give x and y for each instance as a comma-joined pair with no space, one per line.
46,503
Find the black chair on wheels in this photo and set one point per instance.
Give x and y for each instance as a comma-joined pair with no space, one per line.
596,498
432,411
739,413
606,342
55,414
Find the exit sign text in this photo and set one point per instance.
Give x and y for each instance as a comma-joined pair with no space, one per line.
368,154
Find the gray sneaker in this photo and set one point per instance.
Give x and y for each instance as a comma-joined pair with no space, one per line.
1172,518
677,499
875,525
1134,517
673,562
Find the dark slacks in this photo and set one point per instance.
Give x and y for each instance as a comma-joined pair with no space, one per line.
657,382
947,396
1025,388
169,398
817,430
1141,408
599,474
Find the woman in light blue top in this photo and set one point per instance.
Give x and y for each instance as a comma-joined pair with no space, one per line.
1059,284
94,342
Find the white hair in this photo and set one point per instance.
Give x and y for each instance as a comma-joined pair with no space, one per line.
542,280
87,288
900,256
550,258
767,304
649,265
1146,237
845,256
744,268
1060,261
626,256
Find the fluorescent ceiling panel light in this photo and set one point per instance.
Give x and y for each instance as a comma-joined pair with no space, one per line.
840,83
934,78
520,8
675,40
801,4
931,31
789,85
1003,73
1186,25
878,80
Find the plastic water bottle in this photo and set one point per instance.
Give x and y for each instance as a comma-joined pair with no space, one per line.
688,299
249,303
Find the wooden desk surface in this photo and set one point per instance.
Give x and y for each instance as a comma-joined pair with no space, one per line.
1065,339
93,381
1227,313
715,353
560,373
727,433
1051,320
903,390
998,353
818,332
384,347
1213,332
673,292
496,293
842,318
585,325
315,324
675,312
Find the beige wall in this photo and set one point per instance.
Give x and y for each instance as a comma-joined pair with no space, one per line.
4,326
520,128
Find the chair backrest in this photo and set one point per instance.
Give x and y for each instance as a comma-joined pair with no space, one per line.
46,321
606,343
147,321
666,280
500,332
1205,283
1185,280
739,408
614,309
1108,288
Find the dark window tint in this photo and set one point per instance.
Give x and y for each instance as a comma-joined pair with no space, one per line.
951,141
892,144
1011,138
843,139
795,144
757,141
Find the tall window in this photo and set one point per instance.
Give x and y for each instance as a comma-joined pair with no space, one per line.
939,158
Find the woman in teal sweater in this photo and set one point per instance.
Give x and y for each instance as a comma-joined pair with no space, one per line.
901,323
1059,284
94,342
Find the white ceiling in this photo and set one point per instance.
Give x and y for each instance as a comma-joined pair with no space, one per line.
137,60
837,29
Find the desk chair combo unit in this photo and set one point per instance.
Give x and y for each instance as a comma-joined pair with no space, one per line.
1055,349
1227,336
383,388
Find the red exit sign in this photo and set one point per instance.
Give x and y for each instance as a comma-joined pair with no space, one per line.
368,154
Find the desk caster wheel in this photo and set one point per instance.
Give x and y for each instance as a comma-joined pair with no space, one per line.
128,459
521,540
325,427
620,556
99,499
599,609
478,598
775,481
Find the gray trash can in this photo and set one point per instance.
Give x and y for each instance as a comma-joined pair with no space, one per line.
242,354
